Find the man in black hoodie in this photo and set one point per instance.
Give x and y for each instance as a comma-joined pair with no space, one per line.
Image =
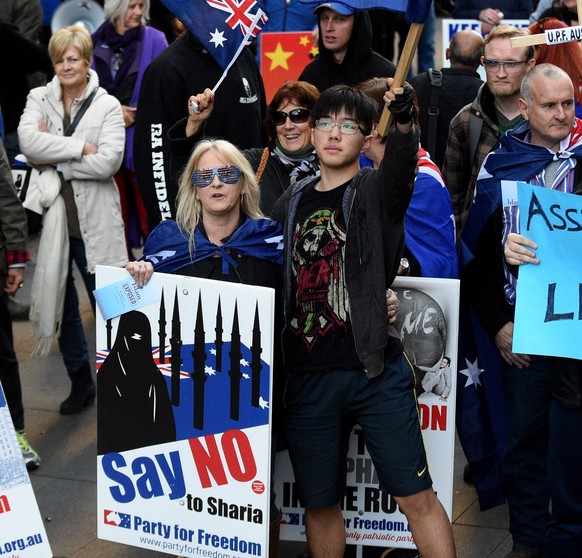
345,49
181,70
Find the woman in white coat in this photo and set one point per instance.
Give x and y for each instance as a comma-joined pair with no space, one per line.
73,132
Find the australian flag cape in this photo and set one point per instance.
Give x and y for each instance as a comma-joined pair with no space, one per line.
167,246
481,419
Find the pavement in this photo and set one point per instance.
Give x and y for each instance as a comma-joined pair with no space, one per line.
65,484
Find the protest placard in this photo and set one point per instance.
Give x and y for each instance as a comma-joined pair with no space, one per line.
22,530
548,307
184,387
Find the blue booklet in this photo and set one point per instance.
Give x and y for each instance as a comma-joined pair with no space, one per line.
123,296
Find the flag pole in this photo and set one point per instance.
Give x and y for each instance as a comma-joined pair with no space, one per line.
404,63
540,39
247,37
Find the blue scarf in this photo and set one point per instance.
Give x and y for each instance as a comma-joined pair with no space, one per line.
167,245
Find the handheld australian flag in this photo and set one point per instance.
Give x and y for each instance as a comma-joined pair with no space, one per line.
416,11
223,27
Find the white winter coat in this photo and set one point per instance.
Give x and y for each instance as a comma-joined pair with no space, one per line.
95,192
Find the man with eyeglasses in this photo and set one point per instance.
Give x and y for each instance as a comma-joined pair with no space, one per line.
343,237
477,127
546,151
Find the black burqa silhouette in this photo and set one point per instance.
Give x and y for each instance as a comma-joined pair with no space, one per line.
134,405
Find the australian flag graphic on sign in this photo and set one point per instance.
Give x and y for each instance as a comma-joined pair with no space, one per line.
220,25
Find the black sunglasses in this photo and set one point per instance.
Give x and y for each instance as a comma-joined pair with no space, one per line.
297,116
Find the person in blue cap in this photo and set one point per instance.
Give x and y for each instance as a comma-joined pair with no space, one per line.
345,49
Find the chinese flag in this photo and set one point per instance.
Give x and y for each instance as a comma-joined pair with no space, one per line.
283,57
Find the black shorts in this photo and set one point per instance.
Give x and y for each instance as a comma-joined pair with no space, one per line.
323,407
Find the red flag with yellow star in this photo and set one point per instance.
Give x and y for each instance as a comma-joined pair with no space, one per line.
283,57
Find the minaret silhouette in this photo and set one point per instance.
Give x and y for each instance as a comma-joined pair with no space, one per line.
108,327
218,341
256,365
199,372
234,372
176,358
162,330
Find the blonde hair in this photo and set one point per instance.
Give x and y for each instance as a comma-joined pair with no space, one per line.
189,209
505,31
71,36
116,9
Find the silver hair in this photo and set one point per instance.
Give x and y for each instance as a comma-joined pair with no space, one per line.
116,9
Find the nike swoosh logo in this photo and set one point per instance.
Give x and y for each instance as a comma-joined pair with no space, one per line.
420,473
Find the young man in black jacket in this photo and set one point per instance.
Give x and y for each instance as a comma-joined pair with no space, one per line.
345,49
343,238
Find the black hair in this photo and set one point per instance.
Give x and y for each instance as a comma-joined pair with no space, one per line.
352,100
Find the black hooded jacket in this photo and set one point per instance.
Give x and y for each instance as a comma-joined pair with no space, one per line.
185,68
360,63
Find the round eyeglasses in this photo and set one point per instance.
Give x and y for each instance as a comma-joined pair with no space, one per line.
347,128
228,174
297,116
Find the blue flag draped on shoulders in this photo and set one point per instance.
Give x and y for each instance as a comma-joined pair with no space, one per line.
416,11
167,246
221,26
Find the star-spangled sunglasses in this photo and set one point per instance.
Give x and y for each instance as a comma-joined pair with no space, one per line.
228,174
297,116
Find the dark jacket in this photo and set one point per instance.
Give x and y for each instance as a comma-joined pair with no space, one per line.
18,58
459,87
562,13
13,230
274,181
360,63
181,70
25,15
374,206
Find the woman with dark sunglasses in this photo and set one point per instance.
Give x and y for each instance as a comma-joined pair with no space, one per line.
289,156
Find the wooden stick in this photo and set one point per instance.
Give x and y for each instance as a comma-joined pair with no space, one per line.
402,70
539,39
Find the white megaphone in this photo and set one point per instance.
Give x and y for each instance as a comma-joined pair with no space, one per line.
86,13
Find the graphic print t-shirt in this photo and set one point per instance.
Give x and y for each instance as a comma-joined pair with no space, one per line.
318,335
